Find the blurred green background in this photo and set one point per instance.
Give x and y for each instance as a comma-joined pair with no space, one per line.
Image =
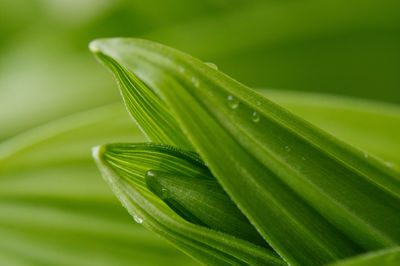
54,207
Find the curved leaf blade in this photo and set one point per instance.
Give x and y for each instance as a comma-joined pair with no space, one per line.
282,159
145,107
202,201
199,242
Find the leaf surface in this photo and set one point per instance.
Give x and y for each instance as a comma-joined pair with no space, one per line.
54,179
314,198
384,257
124,168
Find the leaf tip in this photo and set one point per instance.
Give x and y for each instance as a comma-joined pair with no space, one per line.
94,47
97,153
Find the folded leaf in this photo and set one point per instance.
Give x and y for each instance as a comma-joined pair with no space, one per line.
124,168
202,202
314,198
146,108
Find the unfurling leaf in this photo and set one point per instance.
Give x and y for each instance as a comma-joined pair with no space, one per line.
314,198
145,107
124,167
202,201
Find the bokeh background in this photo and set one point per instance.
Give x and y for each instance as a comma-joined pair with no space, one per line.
56,101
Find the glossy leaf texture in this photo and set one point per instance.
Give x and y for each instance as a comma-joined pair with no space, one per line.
203,202
146,108
203,244
124,167
315,199
183,182
370,125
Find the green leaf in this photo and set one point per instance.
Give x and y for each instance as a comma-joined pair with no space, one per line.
54,208
314,198
146,108
61,180
124,167
182,181
202,201
384,257
370,125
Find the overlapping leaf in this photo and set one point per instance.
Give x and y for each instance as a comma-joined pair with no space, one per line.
124,168
203,202
54,179
314,198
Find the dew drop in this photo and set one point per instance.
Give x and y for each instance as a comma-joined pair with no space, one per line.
195,82
93,46
164,193
150,173
303,158
212,65
366,155
181,69
137,219
287,148
255,117
233,103
258,103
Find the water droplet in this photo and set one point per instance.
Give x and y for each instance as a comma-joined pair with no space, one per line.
303,158
233,102
287,148
255,117
164,193
195,82
181,69
212,65
150,173
137,219
366,155
258,103
94,47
